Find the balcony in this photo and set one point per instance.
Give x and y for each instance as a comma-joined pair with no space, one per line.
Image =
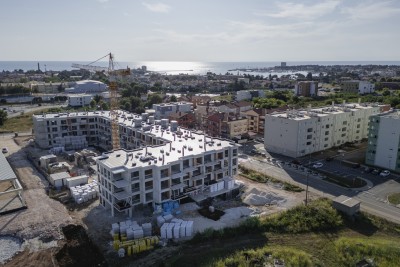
134,179
121,195
148,176
150,187
136,189
198,176
176,174
122,205
120,183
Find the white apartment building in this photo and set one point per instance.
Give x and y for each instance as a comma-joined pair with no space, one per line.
306,88
384,141
249,94
162,111
297,133
168,162
79,100
188,164
358,87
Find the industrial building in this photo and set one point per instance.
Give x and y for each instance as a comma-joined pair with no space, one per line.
87,87
160,161
296,133
384,141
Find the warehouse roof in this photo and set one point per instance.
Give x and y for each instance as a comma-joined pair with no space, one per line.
6,172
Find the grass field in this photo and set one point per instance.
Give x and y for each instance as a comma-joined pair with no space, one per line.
22,123
346,244
394,198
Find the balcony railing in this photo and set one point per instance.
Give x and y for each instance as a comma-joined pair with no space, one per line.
148,176
148,187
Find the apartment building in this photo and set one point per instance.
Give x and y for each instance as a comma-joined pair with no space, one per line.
186,165
79,100
384,141
162,111
358,87
306,88
184,119
249,94
226,125
296,133
160,161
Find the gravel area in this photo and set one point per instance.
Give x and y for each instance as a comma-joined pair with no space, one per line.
261,198
9,247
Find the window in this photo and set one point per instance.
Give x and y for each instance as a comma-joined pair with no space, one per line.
309,136
326,132
308,143
309,130
345,123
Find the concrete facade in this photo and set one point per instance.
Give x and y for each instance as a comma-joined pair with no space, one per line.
306,88
358,87
384,141
300,132
79,100
187,164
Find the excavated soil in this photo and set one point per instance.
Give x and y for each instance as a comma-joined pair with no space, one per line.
78,249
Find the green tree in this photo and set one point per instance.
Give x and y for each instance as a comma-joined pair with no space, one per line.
93,103
309,76
3,116
97,98
154,99
173,98
385,92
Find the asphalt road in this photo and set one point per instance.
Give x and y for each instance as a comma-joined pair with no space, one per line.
373,200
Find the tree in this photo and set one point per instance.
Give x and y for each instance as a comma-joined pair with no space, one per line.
309,76
3,116
173,98
385,92
154,99
93,103
97,98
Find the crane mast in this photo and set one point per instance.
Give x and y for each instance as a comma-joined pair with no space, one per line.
113,90
114,106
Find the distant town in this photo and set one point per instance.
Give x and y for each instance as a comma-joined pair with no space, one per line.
151,161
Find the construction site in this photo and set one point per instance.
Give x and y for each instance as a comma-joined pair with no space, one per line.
121,187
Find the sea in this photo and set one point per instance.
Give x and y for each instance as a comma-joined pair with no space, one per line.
186,67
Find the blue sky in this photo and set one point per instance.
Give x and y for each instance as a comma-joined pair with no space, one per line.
201,30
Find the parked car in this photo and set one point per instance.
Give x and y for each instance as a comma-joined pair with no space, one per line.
375,172
318,165
4,150
329,159
384,173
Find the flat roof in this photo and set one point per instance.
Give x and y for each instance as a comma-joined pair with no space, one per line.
59,175
6,172
189,144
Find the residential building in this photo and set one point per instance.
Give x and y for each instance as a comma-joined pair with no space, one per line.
358,87
242,106
79,100
159,160
186,165
184,119
296,133
306,88
162,111
384,141
226,125
249,94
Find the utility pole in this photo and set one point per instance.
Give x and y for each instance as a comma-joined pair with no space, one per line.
307,189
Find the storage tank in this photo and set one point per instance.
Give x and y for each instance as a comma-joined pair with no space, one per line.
157,122
174,126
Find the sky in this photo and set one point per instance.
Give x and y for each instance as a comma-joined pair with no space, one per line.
200,30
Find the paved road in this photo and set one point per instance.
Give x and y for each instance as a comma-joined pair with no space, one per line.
372,201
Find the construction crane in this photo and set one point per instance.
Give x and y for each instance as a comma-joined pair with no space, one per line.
113,90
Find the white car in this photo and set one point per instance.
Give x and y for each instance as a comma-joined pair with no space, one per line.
385,173
318,165
4,150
